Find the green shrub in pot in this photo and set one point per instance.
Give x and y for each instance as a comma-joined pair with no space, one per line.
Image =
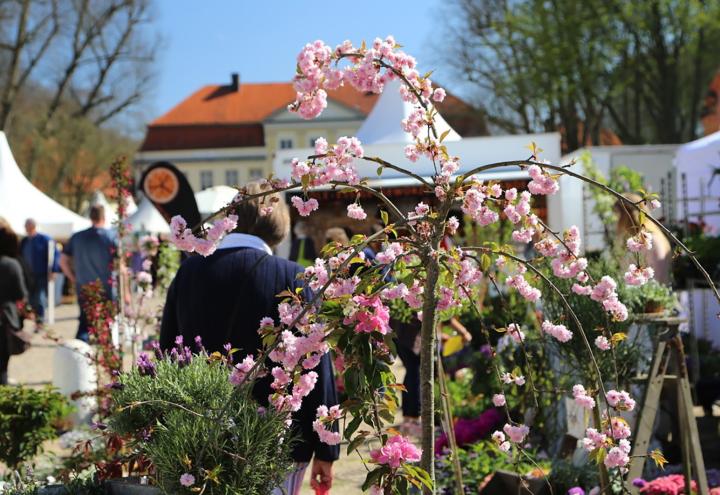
170,406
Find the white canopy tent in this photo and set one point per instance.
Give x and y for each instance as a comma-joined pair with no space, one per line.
147,219
699,161
212,199
382,125
20,200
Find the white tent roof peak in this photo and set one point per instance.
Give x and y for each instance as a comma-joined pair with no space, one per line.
148,219
382,125
20,200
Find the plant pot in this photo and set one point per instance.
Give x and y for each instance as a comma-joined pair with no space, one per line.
505,482
653,308
121,486
129,486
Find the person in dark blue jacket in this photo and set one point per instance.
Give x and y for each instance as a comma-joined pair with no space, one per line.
223,297
35,249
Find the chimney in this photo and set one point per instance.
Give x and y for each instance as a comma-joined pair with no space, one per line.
235,81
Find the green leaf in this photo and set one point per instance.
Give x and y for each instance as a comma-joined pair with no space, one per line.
384,217
373,477
485,262
352,426
379,170
444,135
356,442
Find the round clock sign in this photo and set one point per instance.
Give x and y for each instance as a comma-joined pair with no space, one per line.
161,185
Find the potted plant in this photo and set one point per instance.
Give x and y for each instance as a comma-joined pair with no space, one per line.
171,408
653,298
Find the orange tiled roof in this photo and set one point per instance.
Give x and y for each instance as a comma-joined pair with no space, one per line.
252,103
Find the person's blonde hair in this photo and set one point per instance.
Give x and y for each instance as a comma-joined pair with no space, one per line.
337,234
271,227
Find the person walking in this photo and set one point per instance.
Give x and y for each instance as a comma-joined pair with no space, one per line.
88,257
223,297
12,290
35,250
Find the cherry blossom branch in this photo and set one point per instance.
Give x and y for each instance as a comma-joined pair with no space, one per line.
623,199
559,293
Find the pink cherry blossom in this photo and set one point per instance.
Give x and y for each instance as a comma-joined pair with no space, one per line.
582,398
560,332
602,343
356,212
304,208
498,400
397,451
638,276
516,434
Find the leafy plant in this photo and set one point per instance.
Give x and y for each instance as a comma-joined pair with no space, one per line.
478,461
28,418
649,298
171,412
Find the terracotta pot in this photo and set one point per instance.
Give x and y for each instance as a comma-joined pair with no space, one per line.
654,307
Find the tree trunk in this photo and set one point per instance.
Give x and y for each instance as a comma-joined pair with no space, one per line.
427,367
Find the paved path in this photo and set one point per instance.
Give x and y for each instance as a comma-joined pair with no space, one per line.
34,367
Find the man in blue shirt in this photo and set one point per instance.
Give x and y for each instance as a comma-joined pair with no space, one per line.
88,257
35,250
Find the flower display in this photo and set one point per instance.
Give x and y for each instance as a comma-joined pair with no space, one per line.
397,451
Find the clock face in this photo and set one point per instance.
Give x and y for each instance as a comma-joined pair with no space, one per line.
161,185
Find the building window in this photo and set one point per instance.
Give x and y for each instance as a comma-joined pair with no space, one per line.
232,178
206,179
286,143
256,173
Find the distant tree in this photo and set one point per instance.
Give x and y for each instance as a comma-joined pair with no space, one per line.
640,68
76,65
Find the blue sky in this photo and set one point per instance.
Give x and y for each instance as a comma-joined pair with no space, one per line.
204,41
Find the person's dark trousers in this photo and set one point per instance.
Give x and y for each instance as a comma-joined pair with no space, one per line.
4,359
82,332
38,296
411,394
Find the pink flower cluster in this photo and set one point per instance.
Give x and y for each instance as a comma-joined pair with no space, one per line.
304,208
582,398
183,238
356,212
498,400
515,332
541,183
368,315
516,434
639,242
499,438
474,203
396,451
508,378
526,290
326,417
638,276
620,400
673,484
560,332
331,163
602,343
604,292
241,370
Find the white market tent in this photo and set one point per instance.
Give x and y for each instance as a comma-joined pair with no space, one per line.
147,219
699,161
382,125
212,199
20,200
99,199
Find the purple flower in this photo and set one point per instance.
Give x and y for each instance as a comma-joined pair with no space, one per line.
145,366
486,351
179,341
576,490
198,343
639,482
155,345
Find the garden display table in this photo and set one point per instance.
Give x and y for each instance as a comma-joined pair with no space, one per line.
669,352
